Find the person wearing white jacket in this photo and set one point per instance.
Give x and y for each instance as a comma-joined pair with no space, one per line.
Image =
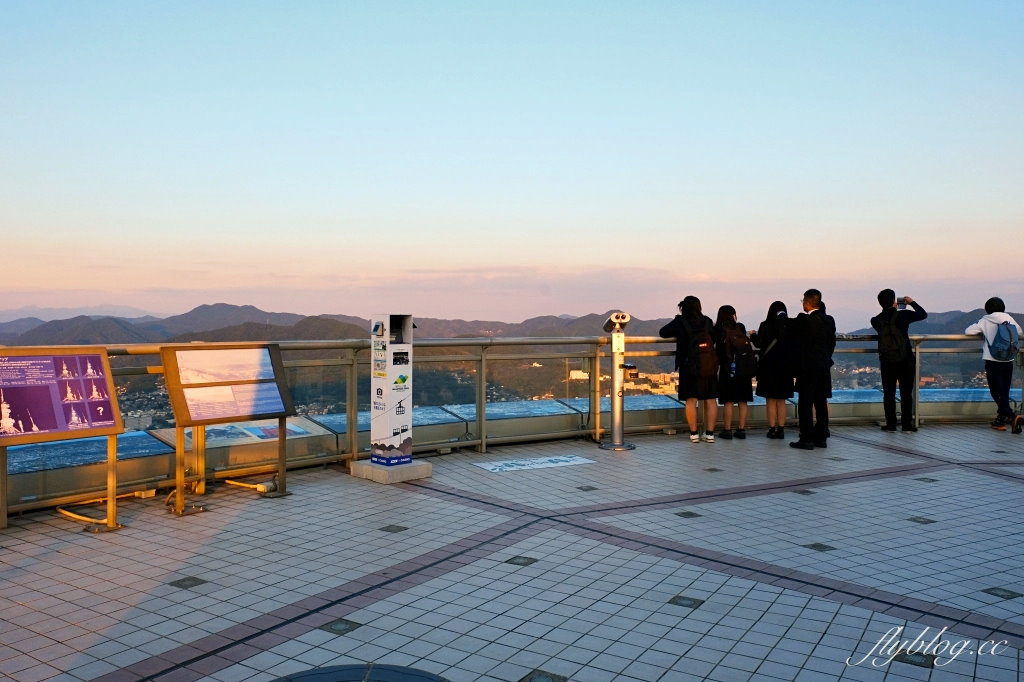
999,373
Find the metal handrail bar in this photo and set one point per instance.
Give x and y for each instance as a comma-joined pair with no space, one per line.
487,350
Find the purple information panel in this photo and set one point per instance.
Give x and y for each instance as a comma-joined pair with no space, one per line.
51,394
225,383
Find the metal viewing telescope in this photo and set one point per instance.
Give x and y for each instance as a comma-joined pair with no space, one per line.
616,324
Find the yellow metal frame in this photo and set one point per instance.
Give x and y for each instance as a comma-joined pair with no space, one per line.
109,523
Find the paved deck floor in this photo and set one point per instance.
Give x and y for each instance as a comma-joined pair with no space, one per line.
741,560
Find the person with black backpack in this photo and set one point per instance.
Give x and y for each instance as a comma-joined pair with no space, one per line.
737,364
999,348
896,356
697,363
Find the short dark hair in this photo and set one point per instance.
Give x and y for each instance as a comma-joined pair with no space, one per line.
886,297
995,305
690,308
813,295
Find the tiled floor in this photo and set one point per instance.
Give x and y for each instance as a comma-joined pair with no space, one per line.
741,560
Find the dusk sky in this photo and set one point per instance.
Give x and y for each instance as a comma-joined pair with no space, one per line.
504,160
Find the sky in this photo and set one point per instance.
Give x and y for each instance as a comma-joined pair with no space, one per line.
504,160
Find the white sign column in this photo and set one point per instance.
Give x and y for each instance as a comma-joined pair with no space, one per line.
391,388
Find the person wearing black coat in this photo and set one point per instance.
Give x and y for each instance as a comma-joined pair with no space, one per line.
814,332
693,389
900,370
775,367
733,387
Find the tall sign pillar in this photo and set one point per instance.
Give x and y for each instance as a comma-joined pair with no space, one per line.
391,384
391,403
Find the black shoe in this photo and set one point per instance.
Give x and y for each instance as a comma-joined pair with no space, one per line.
821,443
780,433
802,445
740,433
910,428
889,428
725,434
771,432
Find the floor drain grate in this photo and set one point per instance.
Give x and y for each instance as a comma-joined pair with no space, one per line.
687,514
688,602
393,529
921,519
819,547
1002,593
187,583
804,492
586,488
521,560
543,676
917,658
340,626
927,480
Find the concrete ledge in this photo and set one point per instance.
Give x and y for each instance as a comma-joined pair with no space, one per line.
393,474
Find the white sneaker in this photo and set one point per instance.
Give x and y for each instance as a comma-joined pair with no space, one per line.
709,436
694,437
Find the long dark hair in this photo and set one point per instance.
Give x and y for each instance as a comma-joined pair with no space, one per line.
774,325
726,317
774,311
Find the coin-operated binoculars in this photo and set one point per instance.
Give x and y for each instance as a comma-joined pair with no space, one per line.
616,324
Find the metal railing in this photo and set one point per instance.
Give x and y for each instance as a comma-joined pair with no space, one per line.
352,363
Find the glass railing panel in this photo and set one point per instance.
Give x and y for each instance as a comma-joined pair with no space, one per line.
23,459
338,421
517,409
961,395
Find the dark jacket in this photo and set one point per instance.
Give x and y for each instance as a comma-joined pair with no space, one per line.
775,347
679,329
904,318
815,336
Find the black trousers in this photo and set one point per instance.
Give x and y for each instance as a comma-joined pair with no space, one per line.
1000,375
902,374
812,405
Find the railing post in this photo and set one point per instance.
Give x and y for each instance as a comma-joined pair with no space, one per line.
595,396
481,400
351,405
917,382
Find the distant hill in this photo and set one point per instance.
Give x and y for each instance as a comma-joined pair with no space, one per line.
49,314
9,331
217,316
306,329
84,330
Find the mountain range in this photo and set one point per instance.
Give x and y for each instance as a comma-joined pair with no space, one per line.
226,322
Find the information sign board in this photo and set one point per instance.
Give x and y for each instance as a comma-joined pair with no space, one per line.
50,393
225,383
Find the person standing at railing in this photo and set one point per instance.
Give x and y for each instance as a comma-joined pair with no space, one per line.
697,364
896,356
775,367
736,367
814,331
999,356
